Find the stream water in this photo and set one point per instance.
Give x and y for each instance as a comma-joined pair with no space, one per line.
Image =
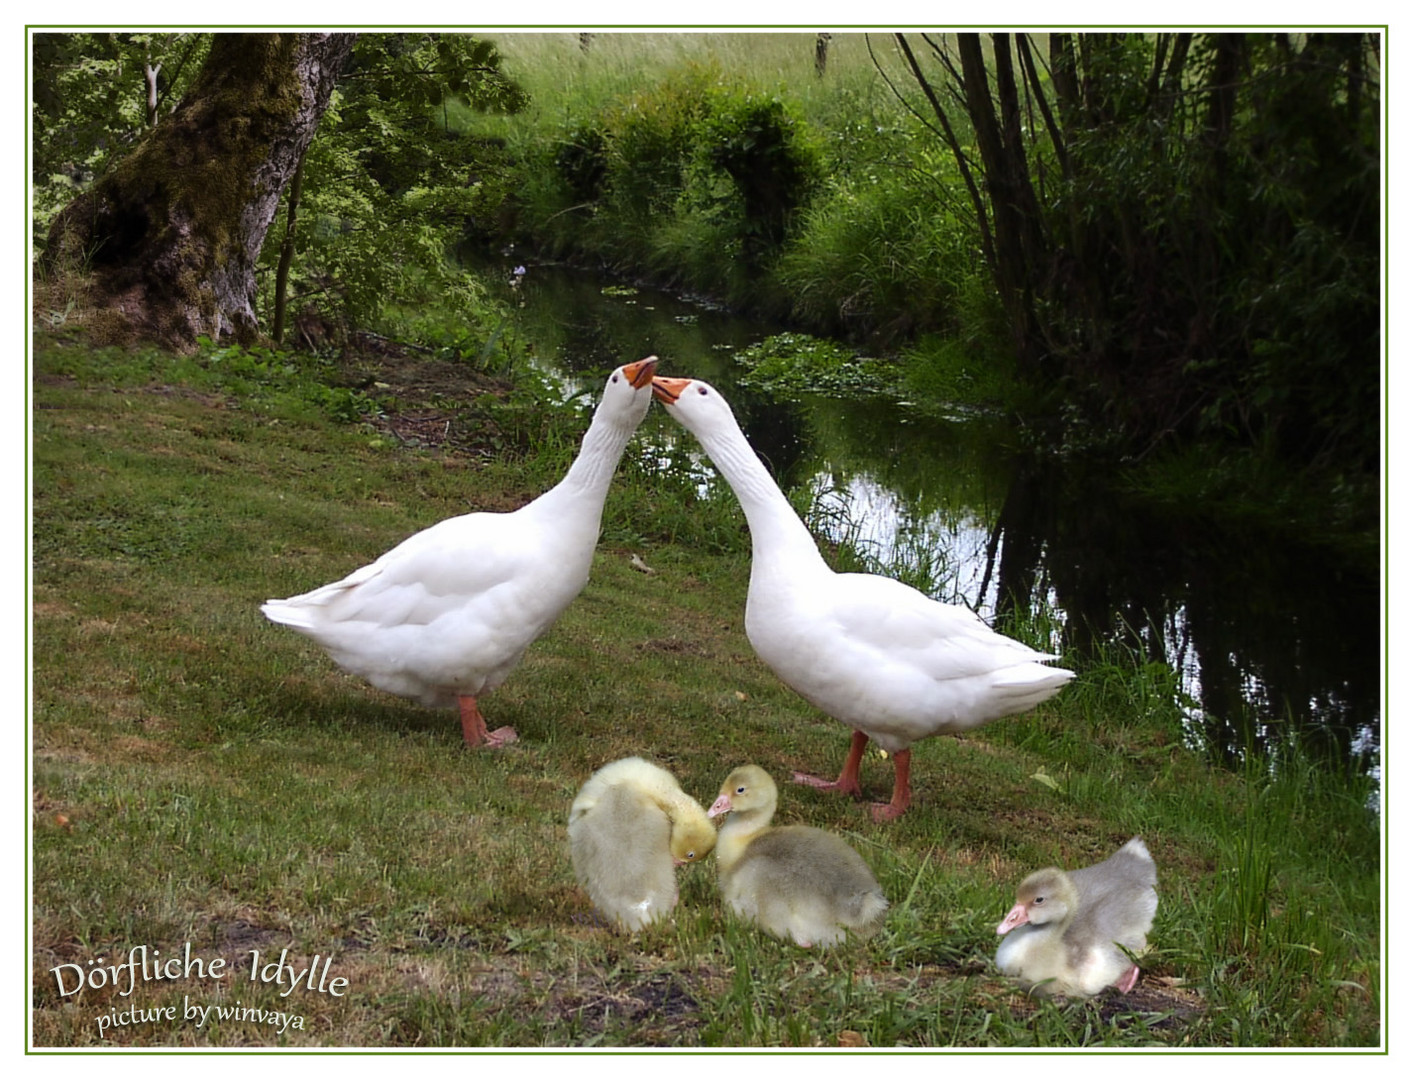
1269,631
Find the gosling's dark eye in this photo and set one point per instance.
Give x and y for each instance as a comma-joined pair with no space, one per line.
1038,900
741,790
691,855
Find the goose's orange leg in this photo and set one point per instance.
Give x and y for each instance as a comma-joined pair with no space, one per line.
473,727
902,789
848,781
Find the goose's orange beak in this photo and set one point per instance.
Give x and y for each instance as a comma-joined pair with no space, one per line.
641,373
668,390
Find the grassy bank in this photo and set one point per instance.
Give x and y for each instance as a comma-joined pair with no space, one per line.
202,776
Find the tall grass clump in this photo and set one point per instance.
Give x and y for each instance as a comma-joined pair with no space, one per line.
875,253
1311,933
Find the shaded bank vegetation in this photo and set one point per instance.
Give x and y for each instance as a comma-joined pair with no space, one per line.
1140,241
169,233
1165,238
1183,229
366,217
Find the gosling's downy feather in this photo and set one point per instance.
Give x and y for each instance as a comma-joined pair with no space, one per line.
629,826
796,882
620,856
1072,933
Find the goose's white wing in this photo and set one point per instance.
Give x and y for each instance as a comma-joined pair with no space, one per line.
945,641
886,660
419,581
449,611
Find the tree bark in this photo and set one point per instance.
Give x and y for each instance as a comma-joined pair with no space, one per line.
149,75
172,234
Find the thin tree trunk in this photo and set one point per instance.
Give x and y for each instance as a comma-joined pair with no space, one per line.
296,187
149,74
171,235
1019,232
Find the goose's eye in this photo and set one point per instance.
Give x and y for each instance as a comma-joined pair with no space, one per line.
615,377
702,390
690,856
1038,900
741,790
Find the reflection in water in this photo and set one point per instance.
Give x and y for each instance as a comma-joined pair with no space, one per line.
1273,634
949,559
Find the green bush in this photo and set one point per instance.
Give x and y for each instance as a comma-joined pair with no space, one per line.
695,178
874,253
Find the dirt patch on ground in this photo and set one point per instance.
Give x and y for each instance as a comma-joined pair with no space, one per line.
423,401
1156,1003
413,373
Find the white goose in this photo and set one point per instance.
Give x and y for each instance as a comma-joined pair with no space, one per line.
446,615
1068,931
630,827
871,652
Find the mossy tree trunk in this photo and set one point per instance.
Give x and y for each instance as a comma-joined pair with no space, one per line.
171,235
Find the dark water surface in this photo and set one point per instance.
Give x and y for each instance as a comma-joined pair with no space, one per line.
1271,632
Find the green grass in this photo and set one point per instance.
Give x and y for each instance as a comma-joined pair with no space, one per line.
559,75
201,775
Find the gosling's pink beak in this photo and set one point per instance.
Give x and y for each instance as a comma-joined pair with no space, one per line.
721,806
1014,918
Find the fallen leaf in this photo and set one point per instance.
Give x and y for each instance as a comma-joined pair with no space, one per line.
1046,779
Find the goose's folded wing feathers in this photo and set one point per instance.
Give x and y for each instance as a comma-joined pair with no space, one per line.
418,581
945,640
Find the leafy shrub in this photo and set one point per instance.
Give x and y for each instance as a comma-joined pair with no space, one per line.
693,176
874,254
756,141
580,158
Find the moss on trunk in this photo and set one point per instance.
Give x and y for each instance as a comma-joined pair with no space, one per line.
172,234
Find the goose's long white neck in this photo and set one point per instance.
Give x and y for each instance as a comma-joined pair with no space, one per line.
585,485
777,533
